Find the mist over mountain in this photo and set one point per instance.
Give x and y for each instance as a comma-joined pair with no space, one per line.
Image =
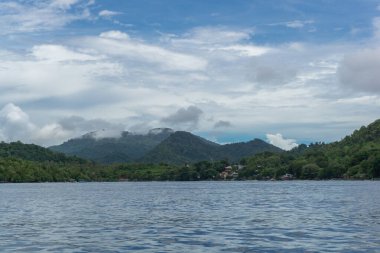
159,145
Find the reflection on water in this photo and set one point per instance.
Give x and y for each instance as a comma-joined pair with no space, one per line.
330,216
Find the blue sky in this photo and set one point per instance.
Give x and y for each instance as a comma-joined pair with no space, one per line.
330,17
285,71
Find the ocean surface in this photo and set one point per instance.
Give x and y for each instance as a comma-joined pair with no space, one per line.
249,216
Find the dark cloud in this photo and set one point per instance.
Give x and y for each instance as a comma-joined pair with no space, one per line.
360,71
222,124
184,117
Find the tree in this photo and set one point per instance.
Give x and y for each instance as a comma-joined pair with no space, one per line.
310,171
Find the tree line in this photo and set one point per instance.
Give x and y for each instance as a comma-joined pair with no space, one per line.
355,157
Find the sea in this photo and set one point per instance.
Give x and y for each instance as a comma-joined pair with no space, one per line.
210,216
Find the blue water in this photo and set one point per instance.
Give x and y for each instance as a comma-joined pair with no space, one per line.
298,216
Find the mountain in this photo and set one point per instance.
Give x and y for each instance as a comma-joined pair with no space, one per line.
160,145
128,147
183,147
357,156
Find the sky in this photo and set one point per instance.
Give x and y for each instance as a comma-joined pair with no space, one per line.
288,72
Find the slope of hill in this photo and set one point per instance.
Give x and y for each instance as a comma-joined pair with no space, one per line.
357,156
127,148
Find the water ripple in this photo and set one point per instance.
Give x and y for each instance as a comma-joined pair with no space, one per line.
191,217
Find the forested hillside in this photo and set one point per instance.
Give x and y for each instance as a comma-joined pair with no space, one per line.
356,156
31,163
33,152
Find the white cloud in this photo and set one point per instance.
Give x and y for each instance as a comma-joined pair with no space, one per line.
48,76
60,53
279,141
17,126
118,44
50,134
108,13
214,35
247,50
114,35
63,4
32,16
298,23
14,123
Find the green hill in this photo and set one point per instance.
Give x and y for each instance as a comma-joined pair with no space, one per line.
182,147
357,156
31,163
31,152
